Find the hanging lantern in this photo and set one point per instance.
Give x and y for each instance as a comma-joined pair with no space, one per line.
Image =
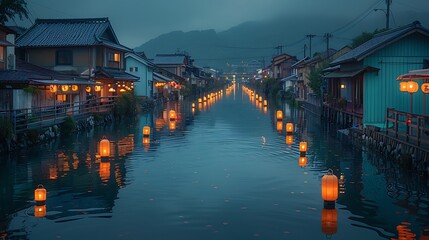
193,105
172,115
289,127
279,115
302,161
329,221
412,87
289,139
200,100
40,211
329,189
303,147
104,171
104,147
97,88
279,126
146,131
40,194
53,88
64,88
172,125
265,103
75,88
403,86
88,89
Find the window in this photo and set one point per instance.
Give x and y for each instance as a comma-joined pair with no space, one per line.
64,57
113,57
1,54
134,69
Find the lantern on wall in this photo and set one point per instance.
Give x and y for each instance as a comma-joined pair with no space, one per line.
40,194
329,221
53,88
289,128
302,161
75,88
40,211
279,115
303,148
403,87
104,147
329,189
279,126
289,139
146,131
172,115
88,89
64,88
412,86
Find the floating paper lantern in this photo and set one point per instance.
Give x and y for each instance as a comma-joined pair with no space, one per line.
329,189
260,98
329,221
104,147
279,115
193,105
40,211
146,131
303,147
204,99
265,103
289,139
200,100
289,127
40,194
302,161
172,115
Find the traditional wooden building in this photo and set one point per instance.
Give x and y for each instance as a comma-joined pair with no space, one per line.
138,65
362,82
282,65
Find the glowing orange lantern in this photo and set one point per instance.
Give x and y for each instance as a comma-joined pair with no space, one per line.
279,115
88,89
97,88
40,211
289,139
146,131
257,96
64,88
200,100
104,147
279,126
53,88
329,189
265,103
205,99
172,125
302,161
260,98
40,194
193,105
289,127
412,87
303,147
403,87
146,140
75,88
172,115
329,221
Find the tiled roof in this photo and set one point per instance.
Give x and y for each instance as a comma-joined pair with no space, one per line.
321,56
69,32
168,59
379,41
116,74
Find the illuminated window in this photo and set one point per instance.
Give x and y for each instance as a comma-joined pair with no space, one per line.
1,54
62,97
116,57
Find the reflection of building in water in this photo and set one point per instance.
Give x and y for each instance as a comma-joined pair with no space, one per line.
404,232
125,145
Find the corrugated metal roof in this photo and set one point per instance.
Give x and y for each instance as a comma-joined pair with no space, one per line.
169,59
68,32
379,41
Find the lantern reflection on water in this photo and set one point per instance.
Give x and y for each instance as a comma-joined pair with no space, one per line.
329,221
302,161
104,147
265,103
40,211
40,194
279,126
193,105
289,139
104,171
146,131
172,125
200,100
329,189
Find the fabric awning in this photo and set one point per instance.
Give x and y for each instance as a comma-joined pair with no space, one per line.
65,82
421,74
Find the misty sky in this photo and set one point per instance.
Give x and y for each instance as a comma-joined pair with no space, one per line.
137,21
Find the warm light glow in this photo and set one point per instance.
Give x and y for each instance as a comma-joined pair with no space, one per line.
104,148
289,127
97,88
303,147
329,221
302,161
146,140
343,85
260,98
412,87
146,131
279,115
112,90
289,139
403,86
193,105
425,88
53,88
172,115
160,84
40,194
88,89
172,125
122,90
116,57
104,171
265,103
279,126
75,88
200,100
329,187
40,211
205,99
64,88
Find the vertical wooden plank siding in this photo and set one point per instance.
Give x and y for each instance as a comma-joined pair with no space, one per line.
381,89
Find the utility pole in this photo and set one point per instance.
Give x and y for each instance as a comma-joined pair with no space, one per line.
388,2
279,49
328,36
310,36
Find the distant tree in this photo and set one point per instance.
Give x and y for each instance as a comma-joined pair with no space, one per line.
10,8
315,78
364,37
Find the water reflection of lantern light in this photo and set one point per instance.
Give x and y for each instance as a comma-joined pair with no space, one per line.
146,131
405,233
146,143
329,189
260,98
265,103
289,127
40,211
172,115
279,126
40,194
193,105
303,148
329,221
172,125
104,147
289,139
302,161
279,115
104,171
205,99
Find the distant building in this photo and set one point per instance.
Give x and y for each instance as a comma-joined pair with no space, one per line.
281,65
137,65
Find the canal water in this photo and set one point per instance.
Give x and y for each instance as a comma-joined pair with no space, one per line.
222,170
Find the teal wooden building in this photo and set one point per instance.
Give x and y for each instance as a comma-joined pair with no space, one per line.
363,81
